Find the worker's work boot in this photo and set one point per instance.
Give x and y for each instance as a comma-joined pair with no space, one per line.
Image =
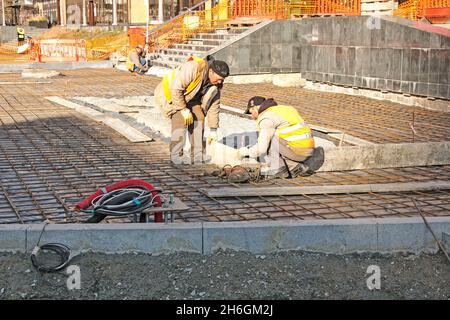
300,170
310,165
316,160
266,174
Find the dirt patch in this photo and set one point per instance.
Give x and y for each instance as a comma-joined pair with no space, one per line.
231,275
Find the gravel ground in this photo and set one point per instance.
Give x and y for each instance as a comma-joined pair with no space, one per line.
231,275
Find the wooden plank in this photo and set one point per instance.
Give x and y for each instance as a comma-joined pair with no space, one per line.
338,189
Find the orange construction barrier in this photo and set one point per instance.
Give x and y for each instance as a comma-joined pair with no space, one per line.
274,9
136,36
433,8
58,50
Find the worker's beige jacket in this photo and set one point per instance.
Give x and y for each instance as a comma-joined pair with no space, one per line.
267,124
210,102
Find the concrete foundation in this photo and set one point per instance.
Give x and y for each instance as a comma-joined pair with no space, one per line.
281,79
331,236
386,156
104,64
39,73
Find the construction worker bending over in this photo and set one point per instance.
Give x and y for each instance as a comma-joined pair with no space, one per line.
136,61
283,135
20,36
186,95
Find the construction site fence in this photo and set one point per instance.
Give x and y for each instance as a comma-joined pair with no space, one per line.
208,15
58,50
416,9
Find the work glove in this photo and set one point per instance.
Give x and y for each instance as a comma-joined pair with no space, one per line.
243,152
212,136
187,115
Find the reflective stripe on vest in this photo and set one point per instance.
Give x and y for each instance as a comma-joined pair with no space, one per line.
296,133
168,78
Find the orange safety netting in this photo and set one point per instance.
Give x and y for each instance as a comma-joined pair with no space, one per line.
200,18
415,9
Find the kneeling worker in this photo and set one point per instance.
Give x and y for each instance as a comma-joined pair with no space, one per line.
136,61
283,135
186,95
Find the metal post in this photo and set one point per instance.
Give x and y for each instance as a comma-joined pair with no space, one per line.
114,13
84,13
147,2
160,11
3,13
63,9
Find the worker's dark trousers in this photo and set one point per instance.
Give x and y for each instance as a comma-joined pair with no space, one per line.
279,149
195,133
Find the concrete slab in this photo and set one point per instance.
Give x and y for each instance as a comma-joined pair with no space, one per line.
387,156
39,73
120,238
262,237
104,64
446,241
339,236
12,238
397,234
118,125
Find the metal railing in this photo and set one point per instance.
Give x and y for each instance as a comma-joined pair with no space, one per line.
203,17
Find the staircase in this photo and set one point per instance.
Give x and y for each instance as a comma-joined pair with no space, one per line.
199,44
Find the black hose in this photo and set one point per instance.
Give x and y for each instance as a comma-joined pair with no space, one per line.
61,250
120,202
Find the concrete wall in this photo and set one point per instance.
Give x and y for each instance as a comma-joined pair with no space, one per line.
385,53
7,33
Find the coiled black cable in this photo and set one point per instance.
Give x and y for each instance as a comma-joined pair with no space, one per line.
120,202
60,249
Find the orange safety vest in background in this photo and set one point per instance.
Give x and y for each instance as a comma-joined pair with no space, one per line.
296,133
168,78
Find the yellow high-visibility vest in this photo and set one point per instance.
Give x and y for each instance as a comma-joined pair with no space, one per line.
129,64
296,133
168,78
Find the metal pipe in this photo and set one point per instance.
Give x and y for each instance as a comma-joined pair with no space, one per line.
3,13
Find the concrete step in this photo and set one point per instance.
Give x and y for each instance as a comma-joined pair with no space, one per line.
213,43
193,47
172,58
237,30
164,64
212,36
183,52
